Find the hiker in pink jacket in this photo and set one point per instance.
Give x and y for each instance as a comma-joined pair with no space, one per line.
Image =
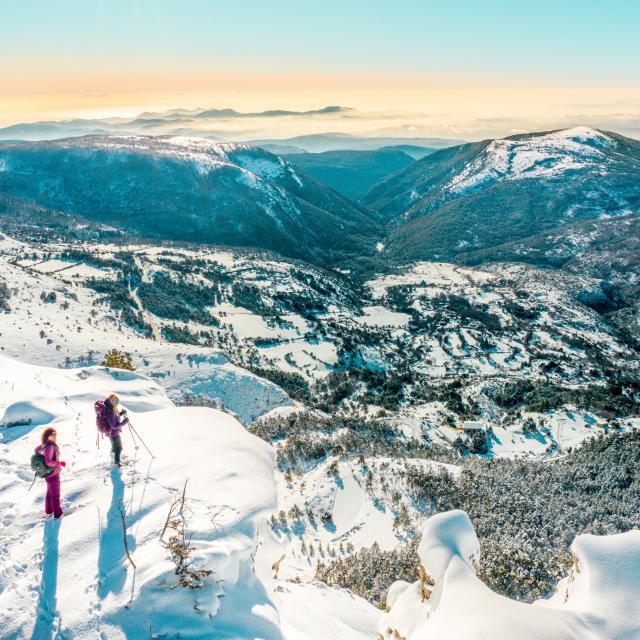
51,453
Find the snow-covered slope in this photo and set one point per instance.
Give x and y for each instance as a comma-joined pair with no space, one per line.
484,194
68,304
317,612
449,601
534,157
189,189
71,578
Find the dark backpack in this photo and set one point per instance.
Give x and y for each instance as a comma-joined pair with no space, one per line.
39,466
101,417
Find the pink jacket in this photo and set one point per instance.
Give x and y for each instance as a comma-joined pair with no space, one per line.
115,419
51,457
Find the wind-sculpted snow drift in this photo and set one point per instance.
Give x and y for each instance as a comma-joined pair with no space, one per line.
71,578
597,601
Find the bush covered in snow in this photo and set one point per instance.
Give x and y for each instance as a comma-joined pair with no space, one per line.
370,571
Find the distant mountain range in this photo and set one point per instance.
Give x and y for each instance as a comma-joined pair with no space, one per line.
192,190
174,122
321,142
223,125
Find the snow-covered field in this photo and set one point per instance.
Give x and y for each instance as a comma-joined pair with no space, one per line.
44,333
49,344
294,321
72,578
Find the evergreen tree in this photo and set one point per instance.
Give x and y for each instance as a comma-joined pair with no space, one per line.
115,359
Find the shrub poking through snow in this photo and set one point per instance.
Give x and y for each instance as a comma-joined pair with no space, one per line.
190,576
5,294
48,297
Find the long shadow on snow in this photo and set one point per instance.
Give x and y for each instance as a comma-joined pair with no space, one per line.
46,609
242,610
112,555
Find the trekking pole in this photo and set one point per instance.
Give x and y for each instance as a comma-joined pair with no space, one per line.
35,475
135,442
141,440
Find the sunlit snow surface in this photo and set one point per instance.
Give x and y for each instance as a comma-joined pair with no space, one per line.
533,157
597,601
71,578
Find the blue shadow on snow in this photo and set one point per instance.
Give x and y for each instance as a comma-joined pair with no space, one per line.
46,609
112,555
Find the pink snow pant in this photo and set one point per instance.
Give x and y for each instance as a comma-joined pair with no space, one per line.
52,501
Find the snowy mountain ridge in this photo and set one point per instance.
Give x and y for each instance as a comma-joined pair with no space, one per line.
535,156
477,196
206,155
185,188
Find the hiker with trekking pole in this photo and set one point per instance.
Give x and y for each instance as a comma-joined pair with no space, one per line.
110,419
46,464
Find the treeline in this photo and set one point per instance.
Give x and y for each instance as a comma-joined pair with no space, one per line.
116,294
303,437
177,299
618,397
370,571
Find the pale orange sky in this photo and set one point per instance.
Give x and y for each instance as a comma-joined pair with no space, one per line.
433,105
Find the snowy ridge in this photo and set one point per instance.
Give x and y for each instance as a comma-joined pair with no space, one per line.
533,157
210,192
451,602
72,577
205,154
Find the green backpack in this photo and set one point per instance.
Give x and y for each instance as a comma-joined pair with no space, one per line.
39,466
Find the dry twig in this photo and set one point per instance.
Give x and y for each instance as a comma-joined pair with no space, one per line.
124,536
